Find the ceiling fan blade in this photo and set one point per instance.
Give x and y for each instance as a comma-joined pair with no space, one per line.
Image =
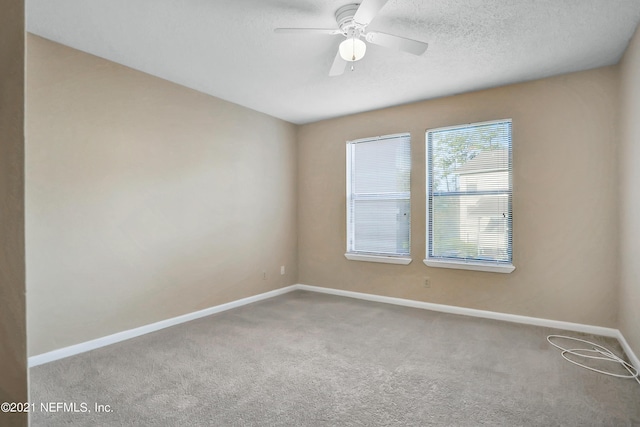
338,66
368,10
396,42
307,31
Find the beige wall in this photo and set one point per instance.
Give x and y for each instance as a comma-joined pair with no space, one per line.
564,201
629,314
13,336
146,200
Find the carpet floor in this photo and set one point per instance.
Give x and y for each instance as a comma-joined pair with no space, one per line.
309,359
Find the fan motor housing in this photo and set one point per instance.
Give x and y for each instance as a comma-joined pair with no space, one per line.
344,16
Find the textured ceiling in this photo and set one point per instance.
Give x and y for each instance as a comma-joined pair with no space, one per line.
227,48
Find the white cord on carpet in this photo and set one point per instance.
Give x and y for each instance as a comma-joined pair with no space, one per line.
597,352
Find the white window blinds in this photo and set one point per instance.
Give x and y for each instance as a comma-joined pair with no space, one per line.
469,192
378,195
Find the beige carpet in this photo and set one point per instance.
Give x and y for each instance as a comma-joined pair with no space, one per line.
308,359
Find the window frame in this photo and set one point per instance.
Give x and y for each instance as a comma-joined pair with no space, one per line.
467,264
402,259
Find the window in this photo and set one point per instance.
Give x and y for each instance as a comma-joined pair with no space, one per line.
379,199
469,192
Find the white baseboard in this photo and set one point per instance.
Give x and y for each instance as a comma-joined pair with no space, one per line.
629,352
136,332
514,318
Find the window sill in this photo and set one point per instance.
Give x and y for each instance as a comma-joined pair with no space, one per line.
461,265
378,258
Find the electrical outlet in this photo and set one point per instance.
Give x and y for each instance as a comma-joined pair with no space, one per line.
264,275
427,282
282,270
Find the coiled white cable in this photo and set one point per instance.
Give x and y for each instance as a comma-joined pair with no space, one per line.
597,352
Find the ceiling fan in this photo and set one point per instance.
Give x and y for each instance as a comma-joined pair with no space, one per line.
352,22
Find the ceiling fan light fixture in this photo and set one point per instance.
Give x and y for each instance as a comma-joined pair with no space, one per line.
352,49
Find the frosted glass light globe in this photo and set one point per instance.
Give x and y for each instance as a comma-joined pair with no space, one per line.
352,49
